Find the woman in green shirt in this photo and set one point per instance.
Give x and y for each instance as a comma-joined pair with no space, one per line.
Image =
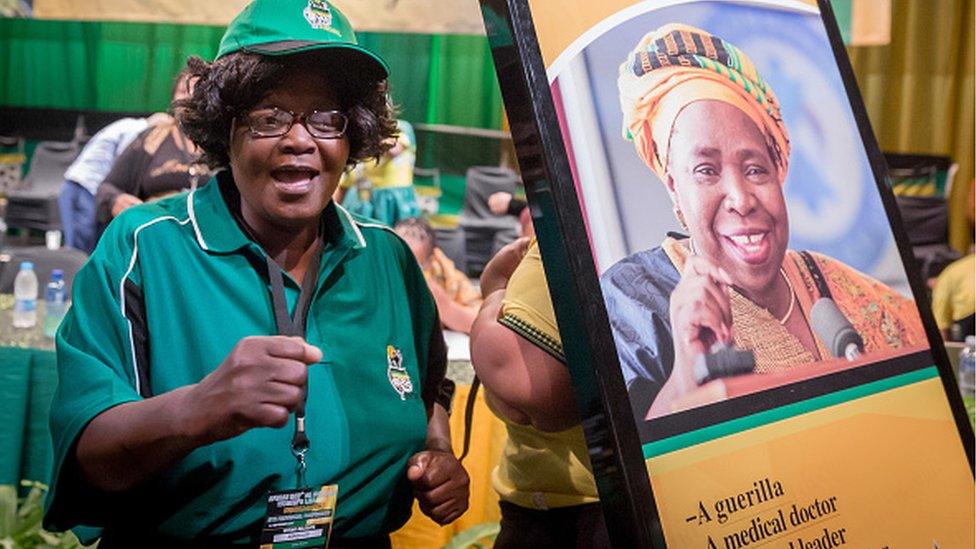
187,351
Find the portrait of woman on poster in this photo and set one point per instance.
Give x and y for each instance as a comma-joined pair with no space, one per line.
705,122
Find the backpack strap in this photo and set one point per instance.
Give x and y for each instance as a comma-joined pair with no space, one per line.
469,416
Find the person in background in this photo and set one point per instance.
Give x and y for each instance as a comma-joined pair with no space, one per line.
505,203
526,227
159,162
954,299
217,336
382,188
544,479
76,201
954,290
457,299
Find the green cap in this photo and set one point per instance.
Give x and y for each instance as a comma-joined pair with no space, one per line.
283,27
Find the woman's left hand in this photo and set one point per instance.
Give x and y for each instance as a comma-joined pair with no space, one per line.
440,485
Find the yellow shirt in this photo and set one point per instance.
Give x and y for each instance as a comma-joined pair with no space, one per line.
540,470
954,294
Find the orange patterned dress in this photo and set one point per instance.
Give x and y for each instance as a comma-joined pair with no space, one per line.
884,318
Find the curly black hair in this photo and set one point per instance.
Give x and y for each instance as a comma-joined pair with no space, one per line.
230,86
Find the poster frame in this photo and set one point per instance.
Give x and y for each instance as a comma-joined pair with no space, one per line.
614,447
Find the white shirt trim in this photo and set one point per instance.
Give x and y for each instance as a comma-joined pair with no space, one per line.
355,225
132,264
193,220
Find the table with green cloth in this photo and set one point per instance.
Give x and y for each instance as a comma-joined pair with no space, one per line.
28,378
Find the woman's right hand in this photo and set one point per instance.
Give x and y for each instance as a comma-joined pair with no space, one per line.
701,315
258,384
123,202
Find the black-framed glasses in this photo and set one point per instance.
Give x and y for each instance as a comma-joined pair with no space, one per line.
274,122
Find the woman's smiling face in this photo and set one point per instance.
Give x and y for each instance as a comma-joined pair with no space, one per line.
721,177
288,180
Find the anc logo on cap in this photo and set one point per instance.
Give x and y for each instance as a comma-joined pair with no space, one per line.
397,374
319,15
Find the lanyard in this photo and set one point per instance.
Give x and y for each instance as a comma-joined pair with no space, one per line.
295,326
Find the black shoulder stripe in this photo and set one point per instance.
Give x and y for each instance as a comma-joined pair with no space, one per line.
135,312
436,365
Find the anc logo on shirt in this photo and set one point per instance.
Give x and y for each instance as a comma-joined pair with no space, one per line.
319,15
396,373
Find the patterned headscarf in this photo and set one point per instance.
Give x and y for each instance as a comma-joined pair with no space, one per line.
677,65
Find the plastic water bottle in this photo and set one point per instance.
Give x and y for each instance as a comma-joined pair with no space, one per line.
55,303
25,296
967,368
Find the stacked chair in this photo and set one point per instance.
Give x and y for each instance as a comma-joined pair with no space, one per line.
921,184
35,204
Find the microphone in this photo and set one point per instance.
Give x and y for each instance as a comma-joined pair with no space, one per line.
723,361
833,328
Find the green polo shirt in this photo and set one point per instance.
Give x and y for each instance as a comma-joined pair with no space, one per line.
171,288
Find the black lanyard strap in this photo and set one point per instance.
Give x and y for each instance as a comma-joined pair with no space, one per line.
294,325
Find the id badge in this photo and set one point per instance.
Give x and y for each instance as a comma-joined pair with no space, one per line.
299,519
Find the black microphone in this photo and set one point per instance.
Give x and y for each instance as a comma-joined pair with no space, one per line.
723,361
833,328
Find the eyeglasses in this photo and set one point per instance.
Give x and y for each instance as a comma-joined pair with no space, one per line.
274,122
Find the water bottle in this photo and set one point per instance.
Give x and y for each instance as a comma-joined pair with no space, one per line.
967,368
25,296
55,303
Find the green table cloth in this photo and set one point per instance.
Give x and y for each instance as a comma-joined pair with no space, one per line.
28,379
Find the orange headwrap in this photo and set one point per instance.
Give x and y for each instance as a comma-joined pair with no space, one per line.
677,65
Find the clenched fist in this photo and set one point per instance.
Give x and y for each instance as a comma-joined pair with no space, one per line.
258,384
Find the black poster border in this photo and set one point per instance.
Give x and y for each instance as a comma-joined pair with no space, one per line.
614,447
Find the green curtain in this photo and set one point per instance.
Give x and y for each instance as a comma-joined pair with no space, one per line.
129,67
96,66
444,79
919,91
116,66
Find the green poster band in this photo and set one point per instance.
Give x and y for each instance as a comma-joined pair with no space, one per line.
712,432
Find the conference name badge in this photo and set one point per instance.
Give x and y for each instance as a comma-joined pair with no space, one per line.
397,374
300,519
